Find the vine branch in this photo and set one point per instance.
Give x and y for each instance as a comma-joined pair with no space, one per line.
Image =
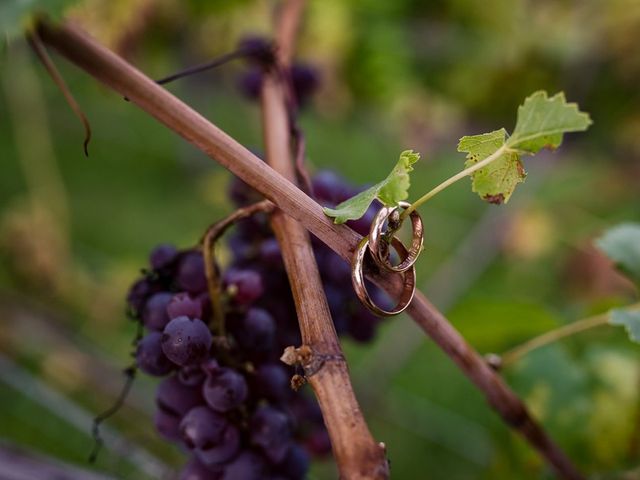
513,355
357,454
116,73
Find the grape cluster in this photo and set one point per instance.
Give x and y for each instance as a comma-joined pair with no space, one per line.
227,400
304,77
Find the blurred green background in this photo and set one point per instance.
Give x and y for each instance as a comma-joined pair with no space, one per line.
400,74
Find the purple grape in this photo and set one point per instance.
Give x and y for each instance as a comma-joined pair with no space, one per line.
259,50
250,83
257,330
363,325
138,294
201,427
329,188
182,304
271,431
186,341
270,252
241,193
337,271
194,470
244,285
175,398
306,81
225,389
150,357
319,443
191,376
167,425
272,382
296,464
162,255
246,466
213,455
155,311
191,275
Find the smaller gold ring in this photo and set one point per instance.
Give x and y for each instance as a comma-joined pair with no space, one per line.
375,239
357,278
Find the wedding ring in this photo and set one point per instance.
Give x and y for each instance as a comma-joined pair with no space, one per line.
380,252
357,278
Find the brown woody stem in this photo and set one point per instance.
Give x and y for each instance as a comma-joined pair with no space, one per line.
357,454
55,75
116,73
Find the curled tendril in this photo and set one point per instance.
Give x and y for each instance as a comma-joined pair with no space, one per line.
45,59
208,243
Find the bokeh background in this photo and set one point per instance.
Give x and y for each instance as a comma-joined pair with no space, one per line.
400,74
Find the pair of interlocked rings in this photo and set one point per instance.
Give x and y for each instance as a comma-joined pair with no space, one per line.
377,244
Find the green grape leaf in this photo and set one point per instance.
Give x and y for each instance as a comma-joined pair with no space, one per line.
542,121
629,319
15,14
495,182
622,245
390,191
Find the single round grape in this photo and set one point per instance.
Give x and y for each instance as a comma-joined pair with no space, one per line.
186,341
296,464
175,398
213,455
363,325
182,304
241,247
272,382
271,431
244,285
195,470
201,427
270,252
191,275
139,293
337,271
149,355
191,376
242,194
257,330
330,188
319,443
225,389
155,315
305,79
246,466
162,255
258,50
250,83
167,425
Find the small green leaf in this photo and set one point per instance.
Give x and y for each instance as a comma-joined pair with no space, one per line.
622,245
496,182
390,191
395,187
629,319
542,121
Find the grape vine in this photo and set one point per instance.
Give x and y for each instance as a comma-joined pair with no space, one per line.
227,398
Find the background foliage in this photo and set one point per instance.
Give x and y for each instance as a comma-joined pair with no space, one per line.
395,75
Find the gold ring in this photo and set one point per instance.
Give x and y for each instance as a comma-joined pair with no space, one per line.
357,278
375,235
